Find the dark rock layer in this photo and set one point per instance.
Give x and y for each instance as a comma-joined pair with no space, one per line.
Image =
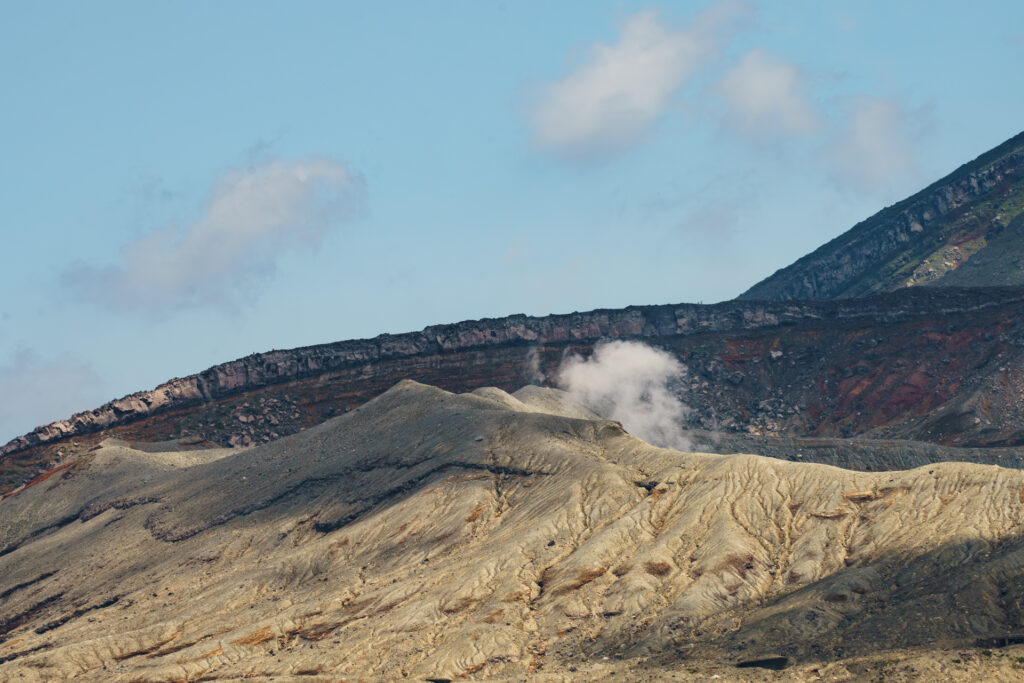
937,365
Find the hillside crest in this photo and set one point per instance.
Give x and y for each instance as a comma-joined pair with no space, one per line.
966,229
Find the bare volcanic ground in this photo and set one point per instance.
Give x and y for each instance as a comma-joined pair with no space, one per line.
434,536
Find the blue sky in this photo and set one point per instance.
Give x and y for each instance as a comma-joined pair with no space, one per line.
186,183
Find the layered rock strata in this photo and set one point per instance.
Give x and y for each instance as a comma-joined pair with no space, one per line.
942,366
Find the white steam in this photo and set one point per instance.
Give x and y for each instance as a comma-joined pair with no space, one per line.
533,365
632,383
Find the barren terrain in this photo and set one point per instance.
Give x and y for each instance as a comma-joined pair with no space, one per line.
428,535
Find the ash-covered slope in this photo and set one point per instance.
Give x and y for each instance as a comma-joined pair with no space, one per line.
966,229
436,536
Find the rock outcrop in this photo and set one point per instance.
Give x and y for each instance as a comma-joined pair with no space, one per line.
974,215
939,365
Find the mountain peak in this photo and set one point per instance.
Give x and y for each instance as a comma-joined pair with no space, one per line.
966,229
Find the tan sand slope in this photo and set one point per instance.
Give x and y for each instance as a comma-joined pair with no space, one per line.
431,535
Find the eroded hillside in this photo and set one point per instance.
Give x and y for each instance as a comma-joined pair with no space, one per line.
427,535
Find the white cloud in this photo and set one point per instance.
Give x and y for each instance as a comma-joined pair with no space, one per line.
36,391
875,150
252,216
767,98
609,103
632,383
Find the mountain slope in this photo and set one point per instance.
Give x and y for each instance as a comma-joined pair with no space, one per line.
437,536
938,365
966,229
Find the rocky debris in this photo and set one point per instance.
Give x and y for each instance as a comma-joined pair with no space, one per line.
247,423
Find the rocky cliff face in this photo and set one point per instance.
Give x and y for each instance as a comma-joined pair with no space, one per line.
973,216
922,363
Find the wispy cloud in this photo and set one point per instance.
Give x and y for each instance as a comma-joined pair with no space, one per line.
713,223
875,150
253,215
149,190
609,102
767,98
36,391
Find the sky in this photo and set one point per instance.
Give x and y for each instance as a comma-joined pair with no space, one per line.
185,183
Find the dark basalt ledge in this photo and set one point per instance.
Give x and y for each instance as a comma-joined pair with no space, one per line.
634,322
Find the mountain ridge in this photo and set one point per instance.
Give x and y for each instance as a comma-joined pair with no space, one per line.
245,374
921,239
754,367
895,387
